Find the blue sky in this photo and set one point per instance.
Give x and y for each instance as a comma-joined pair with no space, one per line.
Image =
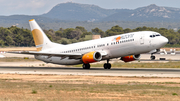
36,7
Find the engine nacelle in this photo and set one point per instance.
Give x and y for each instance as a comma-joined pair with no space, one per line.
91,57
131,58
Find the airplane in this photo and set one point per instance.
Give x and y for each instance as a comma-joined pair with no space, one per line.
128,47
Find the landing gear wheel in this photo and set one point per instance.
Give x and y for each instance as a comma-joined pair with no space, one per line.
107,66
153,57
86,66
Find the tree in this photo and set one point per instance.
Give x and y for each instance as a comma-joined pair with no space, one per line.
75,34
67,32
74,41
50,37
98,31
178,31
110,33
23,37
61,29
86,33
59,33
81,28
64,41
71,33
4,32
1,43
9,40
28,38
115,30
127,30
18,40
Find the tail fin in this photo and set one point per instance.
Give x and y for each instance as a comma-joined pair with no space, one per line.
42,42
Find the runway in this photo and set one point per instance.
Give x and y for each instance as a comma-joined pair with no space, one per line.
92,72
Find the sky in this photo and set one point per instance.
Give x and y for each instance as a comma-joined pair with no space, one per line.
37,7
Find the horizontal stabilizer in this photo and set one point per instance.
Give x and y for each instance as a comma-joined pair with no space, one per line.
2,56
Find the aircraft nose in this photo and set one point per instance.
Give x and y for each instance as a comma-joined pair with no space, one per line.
164,40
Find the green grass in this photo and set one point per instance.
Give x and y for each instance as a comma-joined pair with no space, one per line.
175,94
50,85
34,92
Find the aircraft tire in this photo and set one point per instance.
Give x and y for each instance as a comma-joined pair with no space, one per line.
153,57
109,66
105,66
86,66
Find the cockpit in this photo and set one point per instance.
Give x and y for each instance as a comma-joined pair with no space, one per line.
155,35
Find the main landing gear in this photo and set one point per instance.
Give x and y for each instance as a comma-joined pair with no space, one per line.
86,66
107,65
152,57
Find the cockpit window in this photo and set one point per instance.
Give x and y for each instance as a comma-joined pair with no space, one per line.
154,35
158,35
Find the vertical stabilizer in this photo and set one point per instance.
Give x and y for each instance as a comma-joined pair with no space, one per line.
42,42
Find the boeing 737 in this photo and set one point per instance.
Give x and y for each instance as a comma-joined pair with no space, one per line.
128,47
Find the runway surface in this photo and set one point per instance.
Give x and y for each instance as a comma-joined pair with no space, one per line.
93,71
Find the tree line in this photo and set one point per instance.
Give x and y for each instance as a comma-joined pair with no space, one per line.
14,36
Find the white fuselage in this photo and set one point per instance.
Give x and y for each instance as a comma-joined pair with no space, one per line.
127,44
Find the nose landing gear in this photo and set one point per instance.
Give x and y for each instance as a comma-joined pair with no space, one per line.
153,57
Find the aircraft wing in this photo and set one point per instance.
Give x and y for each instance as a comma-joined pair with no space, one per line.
70,55
63,55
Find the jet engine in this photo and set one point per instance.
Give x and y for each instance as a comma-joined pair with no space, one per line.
131,58
91,57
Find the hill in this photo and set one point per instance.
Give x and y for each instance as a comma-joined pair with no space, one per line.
78,12
151,13
85,12
70,15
